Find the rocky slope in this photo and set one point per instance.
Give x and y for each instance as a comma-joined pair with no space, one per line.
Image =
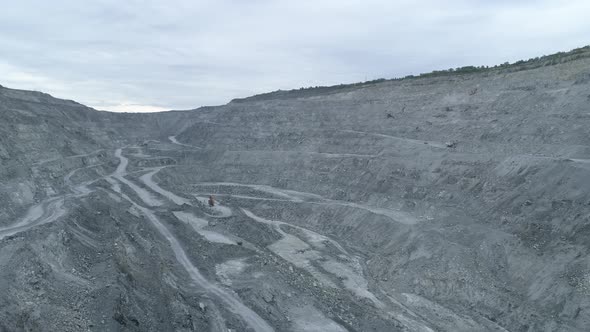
455,202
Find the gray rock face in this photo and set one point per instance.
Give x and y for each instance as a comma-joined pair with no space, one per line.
447,203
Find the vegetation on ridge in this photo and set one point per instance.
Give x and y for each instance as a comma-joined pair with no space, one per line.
537,62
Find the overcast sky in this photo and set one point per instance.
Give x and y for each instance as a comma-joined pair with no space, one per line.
174,54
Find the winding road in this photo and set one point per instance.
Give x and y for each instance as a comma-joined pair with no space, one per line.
43,213
309,198
175,141
147,179
251,318
52,208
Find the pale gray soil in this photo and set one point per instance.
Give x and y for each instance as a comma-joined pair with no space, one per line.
453,203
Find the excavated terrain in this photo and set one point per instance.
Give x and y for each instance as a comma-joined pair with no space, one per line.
457,202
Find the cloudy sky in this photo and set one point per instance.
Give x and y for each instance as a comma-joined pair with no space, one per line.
180,54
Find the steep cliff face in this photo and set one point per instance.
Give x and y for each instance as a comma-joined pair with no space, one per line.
458,202
489,174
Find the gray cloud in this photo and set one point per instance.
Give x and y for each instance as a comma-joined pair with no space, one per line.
154,55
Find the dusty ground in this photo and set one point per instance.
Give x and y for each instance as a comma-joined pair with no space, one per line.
455,203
